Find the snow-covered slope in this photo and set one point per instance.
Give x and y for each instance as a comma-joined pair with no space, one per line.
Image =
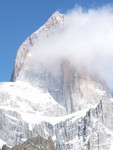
55,98
21,103
24,98
90,128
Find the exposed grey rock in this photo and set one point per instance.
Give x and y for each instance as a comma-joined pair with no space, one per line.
36,143
5,147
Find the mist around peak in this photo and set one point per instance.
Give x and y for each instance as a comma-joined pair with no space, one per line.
86,37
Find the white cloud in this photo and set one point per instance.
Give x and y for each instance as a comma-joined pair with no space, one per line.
87,38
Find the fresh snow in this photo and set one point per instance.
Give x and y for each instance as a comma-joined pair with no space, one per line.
24,98
33,119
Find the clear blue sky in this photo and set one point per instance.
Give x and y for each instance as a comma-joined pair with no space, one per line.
20,18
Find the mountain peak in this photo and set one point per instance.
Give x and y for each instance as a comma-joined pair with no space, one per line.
67,82
56,19
54,97
57,16
53,23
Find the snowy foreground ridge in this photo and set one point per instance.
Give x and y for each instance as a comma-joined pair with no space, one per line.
54,98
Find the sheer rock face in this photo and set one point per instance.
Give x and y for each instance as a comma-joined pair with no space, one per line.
51,26
70,85
57,99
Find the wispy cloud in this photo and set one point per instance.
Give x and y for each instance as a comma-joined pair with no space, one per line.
87,37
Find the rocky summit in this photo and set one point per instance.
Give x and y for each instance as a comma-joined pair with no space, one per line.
54,102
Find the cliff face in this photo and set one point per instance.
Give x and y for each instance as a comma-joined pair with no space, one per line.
51,26
54,98
71,85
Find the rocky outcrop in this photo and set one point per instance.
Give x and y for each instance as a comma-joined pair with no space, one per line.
36,143
5,147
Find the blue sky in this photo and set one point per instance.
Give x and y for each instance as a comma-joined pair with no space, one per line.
20,18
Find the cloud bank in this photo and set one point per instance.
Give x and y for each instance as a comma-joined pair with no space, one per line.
86,37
